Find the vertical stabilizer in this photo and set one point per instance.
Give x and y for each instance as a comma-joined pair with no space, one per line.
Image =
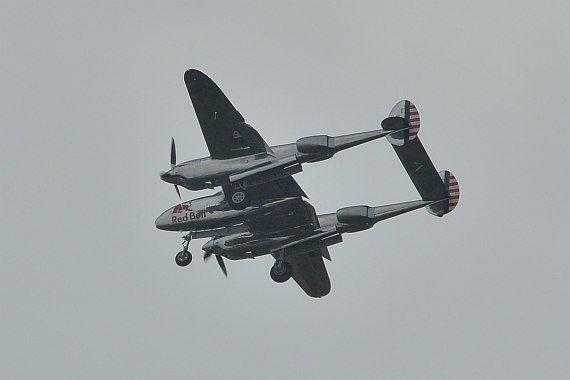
452,188
408,111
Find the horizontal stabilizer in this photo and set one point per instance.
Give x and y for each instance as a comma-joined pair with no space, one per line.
419,167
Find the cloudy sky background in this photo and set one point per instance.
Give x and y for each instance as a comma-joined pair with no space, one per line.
93,92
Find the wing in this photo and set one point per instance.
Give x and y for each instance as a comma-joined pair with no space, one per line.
224,128
309,270
296,217
310,273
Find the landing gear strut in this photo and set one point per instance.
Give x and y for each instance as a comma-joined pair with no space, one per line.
184,257
281,271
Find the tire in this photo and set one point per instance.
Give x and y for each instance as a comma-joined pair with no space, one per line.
183,258
283,274
238,199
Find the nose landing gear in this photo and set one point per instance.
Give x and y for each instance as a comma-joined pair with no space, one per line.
184,257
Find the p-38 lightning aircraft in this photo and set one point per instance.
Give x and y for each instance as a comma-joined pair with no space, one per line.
261,209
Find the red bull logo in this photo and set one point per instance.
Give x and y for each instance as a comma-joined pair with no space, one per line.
181,208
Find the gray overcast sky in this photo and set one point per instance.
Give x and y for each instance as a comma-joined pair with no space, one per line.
92,93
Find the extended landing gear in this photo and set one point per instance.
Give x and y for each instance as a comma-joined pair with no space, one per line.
238,199
184,257
281,271
237,195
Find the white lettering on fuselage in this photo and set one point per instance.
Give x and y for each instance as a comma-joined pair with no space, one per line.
191,215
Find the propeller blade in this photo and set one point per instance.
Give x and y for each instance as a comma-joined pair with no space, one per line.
172,154
207,255
222,265
178,192
173,164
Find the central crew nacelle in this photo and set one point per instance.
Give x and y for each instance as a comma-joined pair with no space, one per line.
212,212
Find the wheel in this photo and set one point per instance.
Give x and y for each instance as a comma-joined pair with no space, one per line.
281,273
238,199
183,258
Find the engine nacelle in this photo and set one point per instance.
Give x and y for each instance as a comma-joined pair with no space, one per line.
313,144
353,215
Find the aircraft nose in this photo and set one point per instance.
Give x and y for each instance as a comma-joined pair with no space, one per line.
162,222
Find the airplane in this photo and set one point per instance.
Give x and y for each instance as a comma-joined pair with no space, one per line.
267,212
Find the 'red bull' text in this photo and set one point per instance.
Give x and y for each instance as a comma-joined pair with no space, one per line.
191,215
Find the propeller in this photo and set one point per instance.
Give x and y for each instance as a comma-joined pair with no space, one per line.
173,164
222,265
219,259
178,192
172,154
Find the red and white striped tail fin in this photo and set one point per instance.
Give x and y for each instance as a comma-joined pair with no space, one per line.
414,121
452,188
408,111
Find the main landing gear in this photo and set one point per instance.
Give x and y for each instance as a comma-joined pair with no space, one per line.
237,196
184,257
281,271
238,199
